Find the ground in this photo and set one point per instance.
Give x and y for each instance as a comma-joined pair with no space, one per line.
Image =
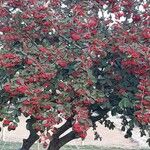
16,146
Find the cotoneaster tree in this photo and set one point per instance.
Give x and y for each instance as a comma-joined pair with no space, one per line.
65,59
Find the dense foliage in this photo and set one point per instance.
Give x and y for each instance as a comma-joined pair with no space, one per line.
65,59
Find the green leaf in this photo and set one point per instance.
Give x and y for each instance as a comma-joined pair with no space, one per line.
125,103
106,105
17,119
16,113
73,66
90,74
27,126
114,111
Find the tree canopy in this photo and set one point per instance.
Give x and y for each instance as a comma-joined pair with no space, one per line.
65,59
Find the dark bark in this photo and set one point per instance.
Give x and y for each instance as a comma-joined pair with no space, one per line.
54,144
67,138
33,137
57,142
64,127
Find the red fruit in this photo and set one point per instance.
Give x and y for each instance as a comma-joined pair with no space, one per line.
9,56
61,85
47,75
48,107
90,82
94,32
37,91
87,102
77,128
29,62
146,119
22,89
78,9
43,49
7,88
92,22
138,106
34,102
76,74
136,18
41,8
141,87
146,34
75,37
83,135
62,63
145,6
11,127
47,23
26,102
145,102
46,125
87,36
58,101
120,14
101,100
139,95
81,92
6,122
122,91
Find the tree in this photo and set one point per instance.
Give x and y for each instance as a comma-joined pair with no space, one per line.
65,59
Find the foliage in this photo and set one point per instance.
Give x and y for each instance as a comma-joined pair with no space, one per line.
65,59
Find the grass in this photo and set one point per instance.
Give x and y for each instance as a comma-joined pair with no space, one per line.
16,146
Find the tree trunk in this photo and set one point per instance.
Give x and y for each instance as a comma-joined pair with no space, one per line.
54,144
27,143
57,142
33,137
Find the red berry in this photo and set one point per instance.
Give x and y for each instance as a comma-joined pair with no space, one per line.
62,63
6,122
83,135
75,37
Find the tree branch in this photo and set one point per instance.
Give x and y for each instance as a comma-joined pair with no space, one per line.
101,114
67,138
27,143
64,127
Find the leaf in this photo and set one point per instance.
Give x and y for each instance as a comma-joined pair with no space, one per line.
90,74
129,133
97,136
111,126
73,66
148,141
125,103
27,126
106,105
114,111
17,119
123,128
142,133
